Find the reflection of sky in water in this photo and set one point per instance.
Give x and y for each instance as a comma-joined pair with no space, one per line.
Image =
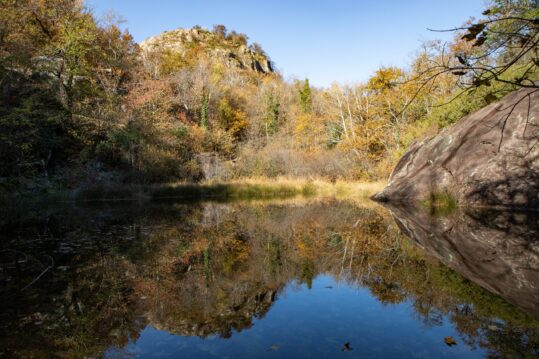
316,323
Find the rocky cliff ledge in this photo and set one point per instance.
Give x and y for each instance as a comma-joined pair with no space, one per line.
231,49
488,158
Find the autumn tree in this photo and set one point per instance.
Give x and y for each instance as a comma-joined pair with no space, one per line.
502,47
55,59
232,118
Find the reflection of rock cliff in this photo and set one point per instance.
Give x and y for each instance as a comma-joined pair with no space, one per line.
237,316
490,157
497,250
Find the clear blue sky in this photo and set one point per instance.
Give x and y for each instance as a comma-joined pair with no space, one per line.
326,41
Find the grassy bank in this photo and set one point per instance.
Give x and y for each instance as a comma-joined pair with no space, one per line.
244,189
258,188
252,190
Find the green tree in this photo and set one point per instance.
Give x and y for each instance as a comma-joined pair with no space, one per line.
272,114
305,97
204,107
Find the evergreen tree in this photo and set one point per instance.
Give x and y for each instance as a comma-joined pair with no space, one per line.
272,114
204,102
305,97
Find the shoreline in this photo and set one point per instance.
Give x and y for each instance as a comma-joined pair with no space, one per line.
248,188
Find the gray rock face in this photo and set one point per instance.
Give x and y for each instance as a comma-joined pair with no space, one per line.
498,250
228,52
213,167
488,158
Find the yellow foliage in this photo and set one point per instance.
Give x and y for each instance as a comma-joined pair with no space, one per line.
309,131
233,120
385,78
172,61
218,72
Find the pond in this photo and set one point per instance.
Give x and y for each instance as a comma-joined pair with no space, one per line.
277,279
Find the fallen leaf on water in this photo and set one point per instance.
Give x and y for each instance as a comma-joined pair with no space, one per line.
347,347
450,341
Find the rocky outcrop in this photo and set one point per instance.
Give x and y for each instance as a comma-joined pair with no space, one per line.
497,250
213,167
222,320
488,158
232,51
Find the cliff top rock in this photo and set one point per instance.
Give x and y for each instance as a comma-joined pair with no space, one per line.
232,48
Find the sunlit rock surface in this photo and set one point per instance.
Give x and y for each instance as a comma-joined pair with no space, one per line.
490,157
232,53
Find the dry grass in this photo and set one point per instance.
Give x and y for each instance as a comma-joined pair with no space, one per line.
242,189
316,187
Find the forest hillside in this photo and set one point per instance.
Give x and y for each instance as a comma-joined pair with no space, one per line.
81,102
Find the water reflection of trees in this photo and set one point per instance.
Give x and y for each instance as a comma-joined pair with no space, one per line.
211,269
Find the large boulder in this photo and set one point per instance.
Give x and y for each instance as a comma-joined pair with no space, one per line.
488,158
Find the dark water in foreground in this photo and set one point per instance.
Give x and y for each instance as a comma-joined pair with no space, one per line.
320,278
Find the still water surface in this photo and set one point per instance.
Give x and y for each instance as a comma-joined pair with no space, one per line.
278,279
